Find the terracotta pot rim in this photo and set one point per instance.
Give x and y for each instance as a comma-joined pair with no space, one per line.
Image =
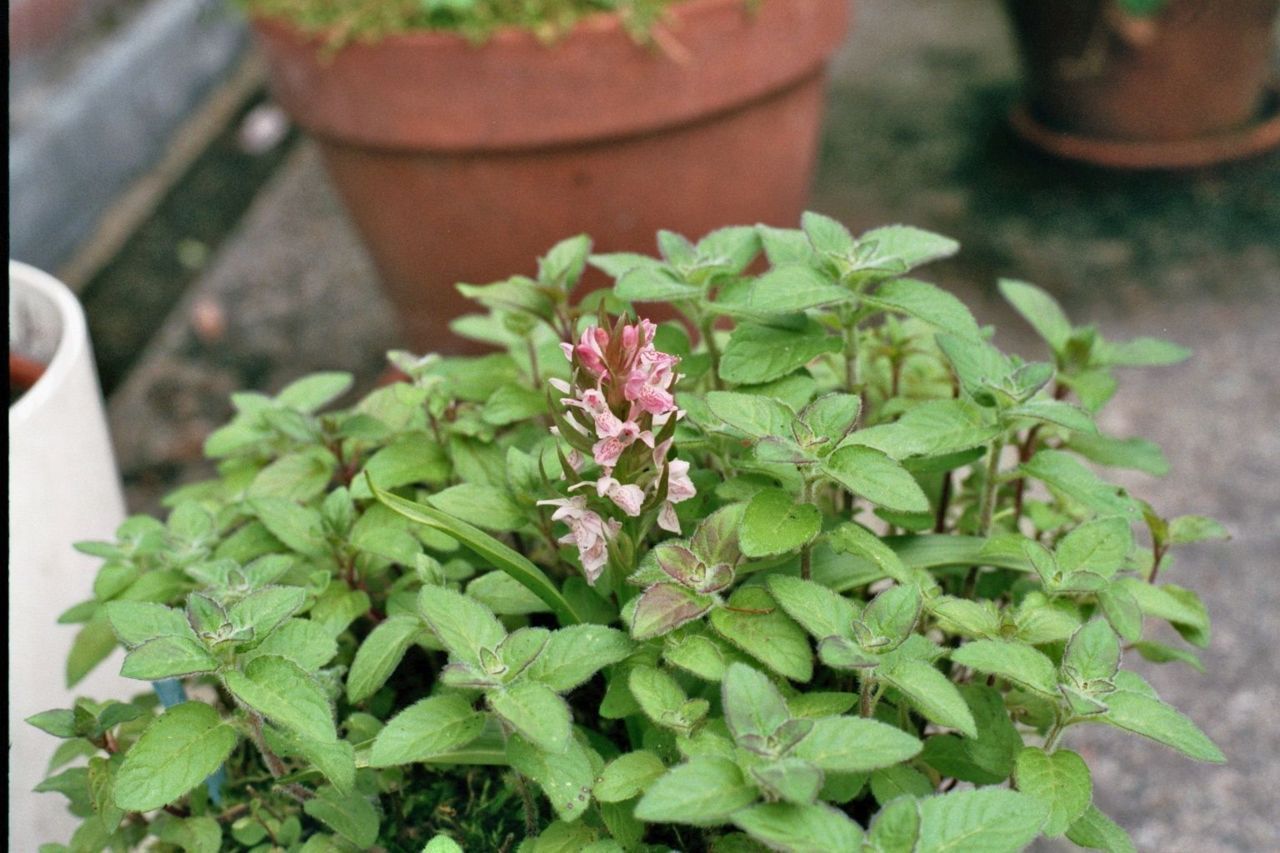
437,92
604,23
1257,137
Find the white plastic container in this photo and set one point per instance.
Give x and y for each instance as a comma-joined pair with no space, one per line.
63,488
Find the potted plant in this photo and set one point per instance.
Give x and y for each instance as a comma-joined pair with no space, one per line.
445,124
1148,83
63,487
840,576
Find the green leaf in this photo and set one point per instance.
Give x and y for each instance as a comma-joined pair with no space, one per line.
703,792
654,284
757,354
1054,412
1060,471
93,643
662,698
1096,831
932,694
59,722
1039,309
926,302
350,815
888,618
505,596
873,475
791,289
827,235
1101,546
285,694
491,550
135,622
1060,781
628,776
753,622
977,364
897,827
900,780
1181,607
1146,715
298,476
1140,352
300,528
664,607
379,655
574,654
566,778
302,641
263,610
998,743
1093,653
312,393
775,524
855,745
176,752
934,428
818,610
425,730
484,506
463,625
442,844
901,248
1160,653
800,828
752,703
987,820
755,415
414,457
536,712
167,657
1186,529
832,416
1012,660
788,779
1136,454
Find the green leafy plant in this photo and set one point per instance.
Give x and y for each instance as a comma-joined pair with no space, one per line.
339,23
840,576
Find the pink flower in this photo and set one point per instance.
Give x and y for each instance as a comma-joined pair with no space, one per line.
679,486
587,530
590,350
628,497
667,519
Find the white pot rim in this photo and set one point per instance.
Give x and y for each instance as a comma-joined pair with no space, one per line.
74,337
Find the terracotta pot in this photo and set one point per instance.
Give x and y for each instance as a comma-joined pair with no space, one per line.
1196,71
462,162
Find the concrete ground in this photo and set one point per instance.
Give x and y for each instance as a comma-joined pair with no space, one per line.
914,135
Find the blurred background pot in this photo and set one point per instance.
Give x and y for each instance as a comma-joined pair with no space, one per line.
461,162
63,488
1185,85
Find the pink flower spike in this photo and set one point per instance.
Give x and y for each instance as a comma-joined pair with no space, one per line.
606,452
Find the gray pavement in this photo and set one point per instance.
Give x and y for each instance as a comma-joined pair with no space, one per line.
914,135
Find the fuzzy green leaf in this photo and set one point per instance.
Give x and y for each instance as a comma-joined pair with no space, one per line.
379,655
873,475
703,792
855,745
932,694
1015,661
757,354
1096,831
178,750
753,622
1060,781
426,729
800,828
775,524
350,815
283,693
988,820
536,712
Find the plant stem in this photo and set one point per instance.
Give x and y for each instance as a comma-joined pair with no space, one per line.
866,696
707,328
988,505
806,553
273,762
1055,733
852,377
944,501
